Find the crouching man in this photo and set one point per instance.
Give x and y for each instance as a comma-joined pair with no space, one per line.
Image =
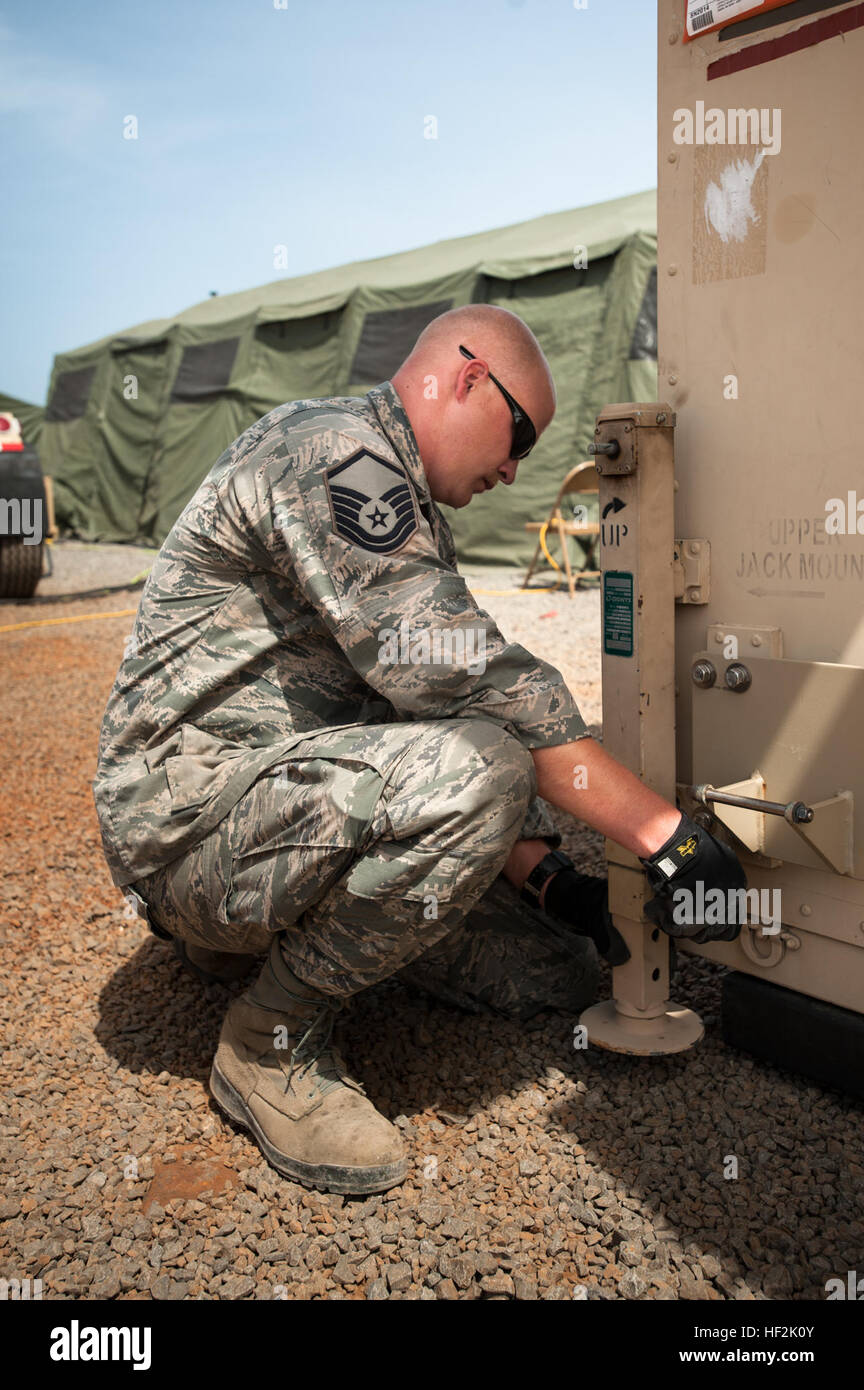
320,749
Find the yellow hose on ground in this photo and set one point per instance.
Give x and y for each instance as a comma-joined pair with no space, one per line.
79,618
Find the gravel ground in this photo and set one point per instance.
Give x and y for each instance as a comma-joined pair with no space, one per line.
540,1171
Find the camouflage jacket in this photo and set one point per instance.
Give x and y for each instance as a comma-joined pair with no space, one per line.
310,583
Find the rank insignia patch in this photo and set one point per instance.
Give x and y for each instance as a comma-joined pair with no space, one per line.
371,502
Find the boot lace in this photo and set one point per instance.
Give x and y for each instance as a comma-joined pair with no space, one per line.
315,1050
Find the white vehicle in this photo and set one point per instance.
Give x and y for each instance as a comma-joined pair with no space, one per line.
26,512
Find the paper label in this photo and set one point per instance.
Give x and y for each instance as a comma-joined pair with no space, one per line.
705,15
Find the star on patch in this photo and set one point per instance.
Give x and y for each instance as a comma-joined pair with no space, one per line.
371,502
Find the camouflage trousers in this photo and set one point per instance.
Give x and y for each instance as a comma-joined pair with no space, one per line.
375,852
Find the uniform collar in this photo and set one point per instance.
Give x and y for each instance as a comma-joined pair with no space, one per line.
387,404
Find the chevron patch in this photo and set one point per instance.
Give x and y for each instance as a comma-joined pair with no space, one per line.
371,502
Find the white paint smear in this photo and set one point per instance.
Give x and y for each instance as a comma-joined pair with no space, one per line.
728,205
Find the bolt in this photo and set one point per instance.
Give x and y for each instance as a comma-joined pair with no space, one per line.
672,270
756,640
673,37
695,594
673,380
718,637
807,911
695,547
703,673
661,419
737,677
672,158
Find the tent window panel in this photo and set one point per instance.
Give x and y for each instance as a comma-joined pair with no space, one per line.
70,395
388,336
298,335
644,344
294,359
547,284
205,370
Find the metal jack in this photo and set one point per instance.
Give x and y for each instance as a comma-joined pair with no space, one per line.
634,451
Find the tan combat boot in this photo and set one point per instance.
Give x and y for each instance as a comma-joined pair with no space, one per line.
277,1074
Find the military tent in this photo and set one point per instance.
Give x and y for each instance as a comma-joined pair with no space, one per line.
136,420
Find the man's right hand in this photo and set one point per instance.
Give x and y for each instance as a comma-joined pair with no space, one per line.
689,857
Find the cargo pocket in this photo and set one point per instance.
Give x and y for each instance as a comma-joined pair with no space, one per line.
199,769
294,834
395,870
271,888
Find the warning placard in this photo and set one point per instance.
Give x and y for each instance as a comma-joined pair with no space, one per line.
705,15
617,613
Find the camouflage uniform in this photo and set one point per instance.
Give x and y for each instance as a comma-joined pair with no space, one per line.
317,733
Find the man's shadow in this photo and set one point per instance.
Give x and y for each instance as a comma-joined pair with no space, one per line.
639,1121
405,1047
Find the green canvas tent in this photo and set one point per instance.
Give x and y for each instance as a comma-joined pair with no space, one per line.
29,417
135,421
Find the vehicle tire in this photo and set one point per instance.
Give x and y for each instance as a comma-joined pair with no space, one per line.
20,567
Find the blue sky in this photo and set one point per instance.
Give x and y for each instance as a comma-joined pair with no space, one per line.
301,126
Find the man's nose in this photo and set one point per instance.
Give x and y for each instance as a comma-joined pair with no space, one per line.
507,471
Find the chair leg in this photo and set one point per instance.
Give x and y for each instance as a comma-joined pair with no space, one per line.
532,566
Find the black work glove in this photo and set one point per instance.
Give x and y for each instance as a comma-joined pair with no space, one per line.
689,857
583,902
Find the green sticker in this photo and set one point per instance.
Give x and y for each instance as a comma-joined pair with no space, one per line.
617,613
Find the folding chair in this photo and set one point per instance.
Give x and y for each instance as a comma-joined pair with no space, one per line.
582,478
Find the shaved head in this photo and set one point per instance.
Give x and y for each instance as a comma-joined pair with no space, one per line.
462,422
514,353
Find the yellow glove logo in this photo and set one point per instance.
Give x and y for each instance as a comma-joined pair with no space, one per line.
688,847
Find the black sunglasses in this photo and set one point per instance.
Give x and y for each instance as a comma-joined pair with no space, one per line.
524,433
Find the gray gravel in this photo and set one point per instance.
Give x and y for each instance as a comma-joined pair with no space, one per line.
539,1171
78,566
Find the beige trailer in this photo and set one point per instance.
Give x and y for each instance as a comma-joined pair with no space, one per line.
732,553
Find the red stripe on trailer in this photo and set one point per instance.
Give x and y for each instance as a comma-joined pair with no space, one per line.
827,28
